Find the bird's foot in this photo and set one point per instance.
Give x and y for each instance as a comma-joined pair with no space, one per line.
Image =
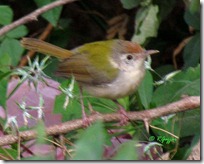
92,111
86,121
124,117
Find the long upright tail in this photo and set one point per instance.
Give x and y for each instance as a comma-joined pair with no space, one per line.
45,48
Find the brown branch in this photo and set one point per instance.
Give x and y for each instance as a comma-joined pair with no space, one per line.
33,16
30,54
178,49
184,104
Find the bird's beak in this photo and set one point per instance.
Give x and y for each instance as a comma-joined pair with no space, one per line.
151,52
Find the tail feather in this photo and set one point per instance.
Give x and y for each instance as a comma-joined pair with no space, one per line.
45,48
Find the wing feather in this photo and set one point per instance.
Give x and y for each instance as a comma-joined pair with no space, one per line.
90,68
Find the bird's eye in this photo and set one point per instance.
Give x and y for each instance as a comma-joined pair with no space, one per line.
129,57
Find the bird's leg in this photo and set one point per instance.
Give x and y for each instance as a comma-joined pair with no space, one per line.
93,112
124,118
86,121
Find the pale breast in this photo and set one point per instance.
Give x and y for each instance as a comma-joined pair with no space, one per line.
125,84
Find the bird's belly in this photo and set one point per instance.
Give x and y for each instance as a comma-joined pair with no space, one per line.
124,85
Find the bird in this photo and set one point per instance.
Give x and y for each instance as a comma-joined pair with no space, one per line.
109,69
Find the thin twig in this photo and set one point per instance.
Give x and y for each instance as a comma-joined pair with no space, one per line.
178,49
30,54
182,105
33,16
154,127
6,155
19,147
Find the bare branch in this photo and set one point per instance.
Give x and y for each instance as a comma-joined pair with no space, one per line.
33,16
30,54
182,105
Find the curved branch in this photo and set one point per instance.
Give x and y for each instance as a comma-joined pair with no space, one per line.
30,54
33,16
182,105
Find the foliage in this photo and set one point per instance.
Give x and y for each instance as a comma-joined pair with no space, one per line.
145,90
51,16
40,99
90,144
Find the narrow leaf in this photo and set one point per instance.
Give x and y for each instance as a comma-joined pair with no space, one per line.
3,92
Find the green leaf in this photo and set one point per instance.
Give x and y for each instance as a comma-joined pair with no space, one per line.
41,133
3,91
129,4
90,145
52,15
184,83
194,143
141,14
178,124
192,52
148,24
145,2
71,112
191,121
8,152
101,105
183,152
5,74
194,6
18,32
145,90
6,15
165,7
127,151
192,19
62,29
163,70
13,48
51,68
5,63
125,102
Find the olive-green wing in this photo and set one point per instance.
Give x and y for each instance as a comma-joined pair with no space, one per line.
90,67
